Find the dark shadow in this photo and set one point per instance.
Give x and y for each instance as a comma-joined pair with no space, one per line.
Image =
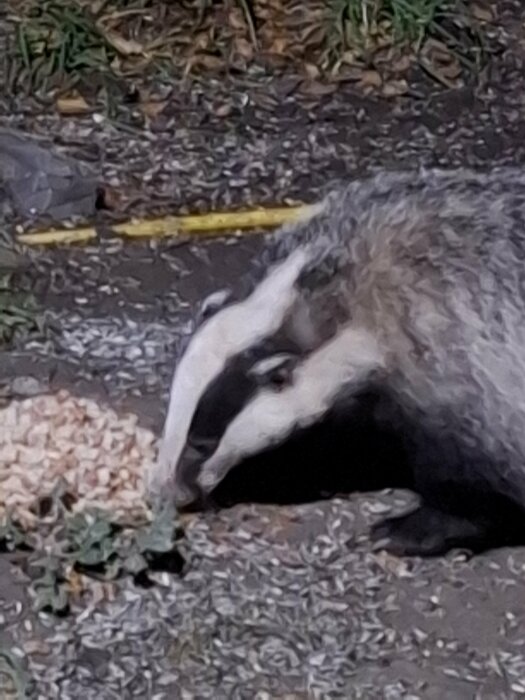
348,452
370,446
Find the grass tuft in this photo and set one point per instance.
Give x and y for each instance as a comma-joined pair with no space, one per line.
19,313
407,20
60,43
56,40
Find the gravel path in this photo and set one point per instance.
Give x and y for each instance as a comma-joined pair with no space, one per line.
292,604
278,602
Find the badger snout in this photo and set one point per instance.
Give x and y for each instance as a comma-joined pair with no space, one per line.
188,494
187,500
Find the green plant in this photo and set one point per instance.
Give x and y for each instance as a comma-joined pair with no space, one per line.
408,20
13,679
444,36
58,40
18,311
92,544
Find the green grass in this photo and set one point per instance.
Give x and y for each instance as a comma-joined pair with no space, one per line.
59,42
362,26
409,20
56,40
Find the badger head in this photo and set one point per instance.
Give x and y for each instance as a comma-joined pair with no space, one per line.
257,370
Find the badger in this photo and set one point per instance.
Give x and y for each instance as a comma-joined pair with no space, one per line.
408,286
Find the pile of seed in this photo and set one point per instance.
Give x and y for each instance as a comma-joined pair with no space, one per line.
100,457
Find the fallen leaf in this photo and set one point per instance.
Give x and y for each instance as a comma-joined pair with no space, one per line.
312,71
312,37
278,47
372,78
126,47
317,88
236,20
201,42
206,61
440,63
350,58
152,108
348,73
401,64
482,13
243,48
394,88
74,104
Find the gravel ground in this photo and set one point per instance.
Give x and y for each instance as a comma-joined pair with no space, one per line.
278,602
292,604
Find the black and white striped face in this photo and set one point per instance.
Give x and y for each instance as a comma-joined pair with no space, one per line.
253,373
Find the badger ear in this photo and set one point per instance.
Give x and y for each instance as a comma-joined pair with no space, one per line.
301,327
321,307
213,303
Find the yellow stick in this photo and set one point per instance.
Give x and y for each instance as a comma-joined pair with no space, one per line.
206,224
78,235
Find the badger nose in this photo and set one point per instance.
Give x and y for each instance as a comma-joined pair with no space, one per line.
186,499
187,494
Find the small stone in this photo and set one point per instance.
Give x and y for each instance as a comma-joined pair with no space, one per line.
27,386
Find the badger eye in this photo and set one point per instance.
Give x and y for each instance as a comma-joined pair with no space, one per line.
213,303
279,378
275,371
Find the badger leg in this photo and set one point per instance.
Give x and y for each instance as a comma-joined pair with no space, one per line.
439,525
428,531
470,499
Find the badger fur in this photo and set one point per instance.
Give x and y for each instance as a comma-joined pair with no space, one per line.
410,285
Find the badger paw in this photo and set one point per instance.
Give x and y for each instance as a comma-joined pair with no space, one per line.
427,531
